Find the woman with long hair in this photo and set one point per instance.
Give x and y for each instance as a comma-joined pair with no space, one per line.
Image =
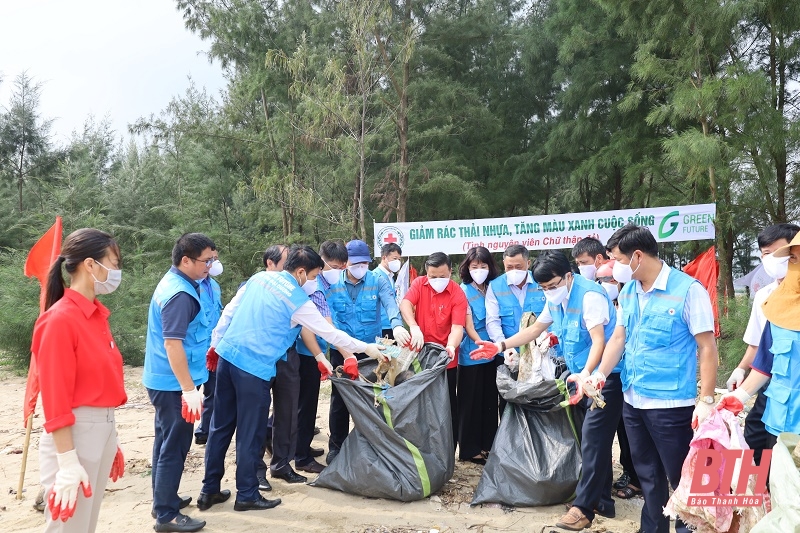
477,391
81,382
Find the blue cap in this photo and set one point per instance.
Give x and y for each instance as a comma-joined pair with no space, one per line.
358,252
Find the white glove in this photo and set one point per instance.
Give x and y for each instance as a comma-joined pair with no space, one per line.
597,380
321,359
376,351
701,412
70,476
401,336
511,358
417,338
735,381
451,351
192,401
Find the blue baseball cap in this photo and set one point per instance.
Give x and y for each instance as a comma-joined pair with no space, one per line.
358,252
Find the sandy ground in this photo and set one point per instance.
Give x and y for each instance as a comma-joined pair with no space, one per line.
127,503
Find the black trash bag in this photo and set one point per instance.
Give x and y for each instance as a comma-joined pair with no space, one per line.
536,455
403,448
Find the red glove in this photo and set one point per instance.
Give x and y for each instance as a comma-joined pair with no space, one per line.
118,466
66,512
577,379
191,405
212,359
486,350
731,403
351,367
553,340
324,373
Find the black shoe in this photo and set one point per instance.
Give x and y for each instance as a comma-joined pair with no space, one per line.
290,476
200,439
315,452
205,501
312,467
268,447
316,430
606,513
263,484
256,505
185,501
331,455
181,523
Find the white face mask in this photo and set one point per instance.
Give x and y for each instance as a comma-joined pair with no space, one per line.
216,268
588,271
310,286
439,284
110,284
358,271
612,289
479,275
515,277
557,295
394,265
775,267
624,273
332,275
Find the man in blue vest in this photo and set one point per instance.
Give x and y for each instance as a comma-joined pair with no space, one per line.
777,359
582,316
314,364
666,329
355,301
273,308
178,334
508,297
211,295
391,255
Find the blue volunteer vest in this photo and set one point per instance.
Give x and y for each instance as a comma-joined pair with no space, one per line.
568,325
260,331
385,323
211,300
360,318
477,304
660,352
783,394
510,310
301,347
157,374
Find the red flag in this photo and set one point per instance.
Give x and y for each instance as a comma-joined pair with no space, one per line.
37,265
705,269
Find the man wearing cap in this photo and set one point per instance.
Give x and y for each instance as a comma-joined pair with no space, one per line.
777,359
666,331
355,302
391,255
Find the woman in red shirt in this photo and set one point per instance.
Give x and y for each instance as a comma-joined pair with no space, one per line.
80,377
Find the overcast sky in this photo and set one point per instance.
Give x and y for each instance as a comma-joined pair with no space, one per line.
118,58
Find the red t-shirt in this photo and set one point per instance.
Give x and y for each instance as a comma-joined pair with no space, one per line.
436,313
78,361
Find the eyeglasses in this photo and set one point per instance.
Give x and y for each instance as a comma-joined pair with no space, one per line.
606,279
208,262
552,287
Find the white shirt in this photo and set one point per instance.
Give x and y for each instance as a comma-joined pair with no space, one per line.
698,315
493,326
306,315
755,326
594,311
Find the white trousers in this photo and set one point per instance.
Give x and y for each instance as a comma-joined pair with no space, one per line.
95,439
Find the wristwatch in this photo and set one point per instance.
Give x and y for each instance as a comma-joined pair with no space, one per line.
708,399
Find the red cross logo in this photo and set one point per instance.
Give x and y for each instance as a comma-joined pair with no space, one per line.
390,238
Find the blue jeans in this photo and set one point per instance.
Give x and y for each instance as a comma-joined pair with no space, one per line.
173,438
238,407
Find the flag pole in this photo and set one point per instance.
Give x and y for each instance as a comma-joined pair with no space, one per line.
28,427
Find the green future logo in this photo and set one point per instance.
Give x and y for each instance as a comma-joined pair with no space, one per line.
672,225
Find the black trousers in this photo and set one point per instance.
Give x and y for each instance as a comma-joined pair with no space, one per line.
285,397
659,441
338,416
208,405
477,415
501,403
755,433
307,409
597,439
452,382
625,458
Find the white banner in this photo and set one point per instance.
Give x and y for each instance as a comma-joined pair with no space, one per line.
668,224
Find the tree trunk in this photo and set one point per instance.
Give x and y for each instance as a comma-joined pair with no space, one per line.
402,127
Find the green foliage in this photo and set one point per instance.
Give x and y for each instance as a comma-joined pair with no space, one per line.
19,307
733,321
